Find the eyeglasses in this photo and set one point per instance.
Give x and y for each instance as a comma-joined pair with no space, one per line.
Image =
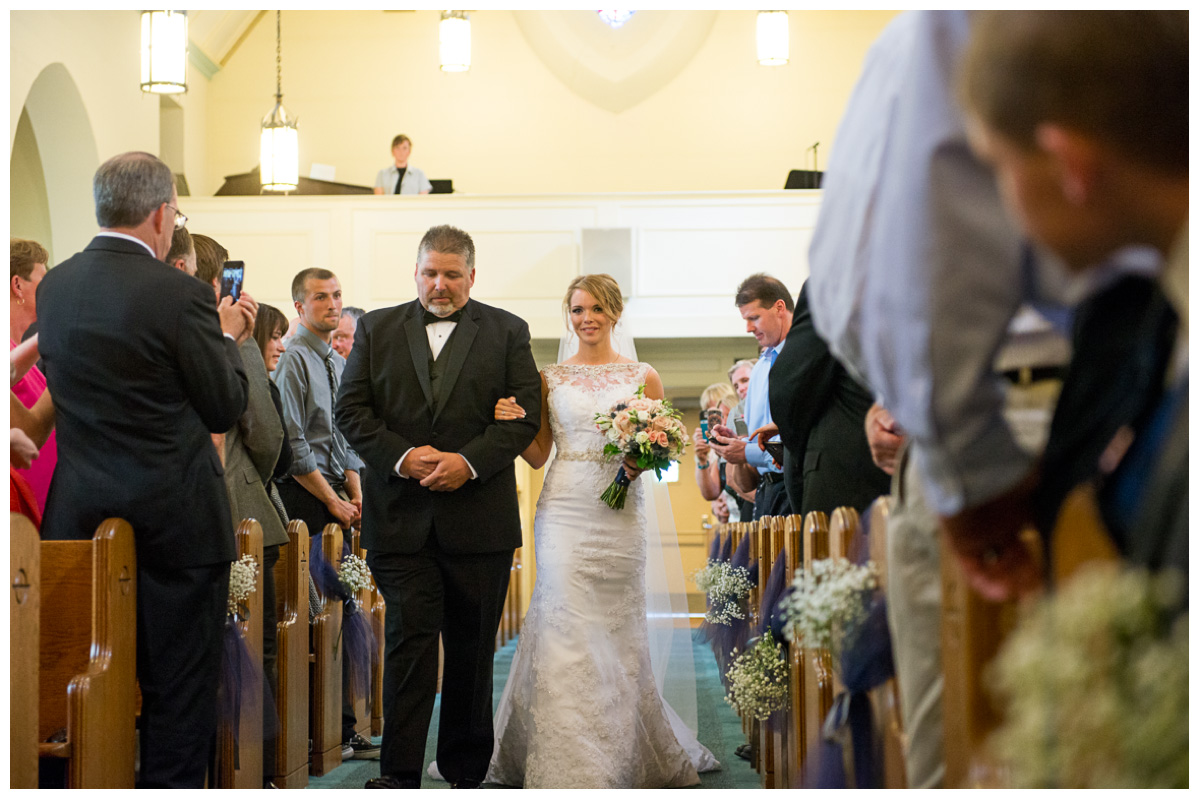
180,218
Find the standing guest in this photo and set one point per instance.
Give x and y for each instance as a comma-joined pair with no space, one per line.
269,332
323,482
182,255
141,374
343,337
27,267
739,378
210,258
766,306
400,178
1087,166
819,412
251,450
442,520
716,403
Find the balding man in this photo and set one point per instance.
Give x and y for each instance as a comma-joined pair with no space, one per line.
143,368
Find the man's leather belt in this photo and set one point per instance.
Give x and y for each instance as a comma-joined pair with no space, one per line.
769,478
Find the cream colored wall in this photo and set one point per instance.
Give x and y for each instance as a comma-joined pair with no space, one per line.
356,78
99,51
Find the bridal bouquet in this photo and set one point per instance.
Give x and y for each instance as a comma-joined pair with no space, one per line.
1093,685
649,431
828,604
727,588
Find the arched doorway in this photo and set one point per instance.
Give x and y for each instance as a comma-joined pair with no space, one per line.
53,160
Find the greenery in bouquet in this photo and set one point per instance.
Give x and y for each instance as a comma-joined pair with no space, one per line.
757,679
651,432
828,603
243,580
1093,684
727,588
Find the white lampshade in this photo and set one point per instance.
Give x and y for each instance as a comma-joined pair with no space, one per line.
279,156
454,38
164,51
772,36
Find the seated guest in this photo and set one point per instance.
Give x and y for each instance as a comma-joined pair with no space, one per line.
343,336
182,255
400,178
27,267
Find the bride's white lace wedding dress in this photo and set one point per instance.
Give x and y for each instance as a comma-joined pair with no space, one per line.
581,708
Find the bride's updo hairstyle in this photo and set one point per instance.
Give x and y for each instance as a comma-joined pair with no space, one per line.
600,286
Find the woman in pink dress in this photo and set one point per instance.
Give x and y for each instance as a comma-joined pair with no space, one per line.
27,263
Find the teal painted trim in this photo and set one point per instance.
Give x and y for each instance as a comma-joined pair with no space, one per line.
202,62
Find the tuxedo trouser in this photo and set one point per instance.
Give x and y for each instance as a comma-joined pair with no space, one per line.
180,629
459,597
303,505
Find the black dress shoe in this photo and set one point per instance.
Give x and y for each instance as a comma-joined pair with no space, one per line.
465,785
393,782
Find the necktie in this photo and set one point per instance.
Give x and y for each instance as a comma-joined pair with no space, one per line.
399,180
431,318
337,445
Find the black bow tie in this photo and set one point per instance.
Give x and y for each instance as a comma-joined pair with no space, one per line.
431,317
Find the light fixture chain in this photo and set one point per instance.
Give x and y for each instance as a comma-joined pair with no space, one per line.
278,57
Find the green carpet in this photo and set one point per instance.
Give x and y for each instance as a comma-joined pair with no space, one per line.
720,731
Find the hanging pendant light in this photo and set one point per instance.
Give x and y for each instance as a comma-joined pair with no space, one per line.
772,36
279,158
164,51
454,39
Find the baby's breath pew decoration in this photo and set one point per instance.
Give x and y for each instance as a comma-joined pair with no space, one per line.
354,573
727,587
828,603
1094,685
243,579
757,679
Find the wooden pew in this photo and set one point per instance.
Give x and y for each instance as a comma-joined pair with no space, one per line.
87,656
796,752
750,725
973,630
817,681
885,700
763,553
240,750
325,678
24,610
289,768
776,740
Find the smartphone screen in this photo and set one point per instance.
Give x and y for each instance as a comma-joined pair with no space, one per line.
715,417
232,275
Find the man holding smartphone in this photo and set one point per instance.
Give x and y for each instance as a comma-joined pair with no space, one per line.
766,306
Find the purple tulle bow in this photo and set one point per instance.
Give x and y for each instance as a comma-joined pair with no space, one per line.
240,675
357,633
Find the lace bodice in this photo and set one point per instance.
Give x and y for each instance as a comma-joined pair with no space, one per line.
577,393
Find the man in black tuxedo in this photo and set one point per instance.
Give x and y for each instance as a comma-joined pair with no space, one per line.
141,375
440,519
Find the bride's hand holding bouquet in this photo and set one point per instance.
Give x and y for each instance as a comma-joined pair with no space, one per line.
649,434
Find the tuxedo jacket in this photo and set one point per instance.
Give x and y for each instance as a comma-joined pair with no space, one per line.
821,411
141,375
386,405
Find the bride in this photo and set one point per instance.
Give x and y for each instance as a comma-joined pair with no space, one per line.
581,708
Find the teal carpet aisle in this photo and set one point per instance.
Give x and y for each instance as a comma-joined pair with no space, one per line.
720,732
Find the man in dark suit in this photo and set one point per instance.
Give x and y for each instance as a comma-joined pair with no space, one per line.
141,375
440,517
819,412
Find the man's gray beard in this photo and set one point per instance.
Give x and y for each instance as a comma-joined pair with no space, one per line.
438,313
